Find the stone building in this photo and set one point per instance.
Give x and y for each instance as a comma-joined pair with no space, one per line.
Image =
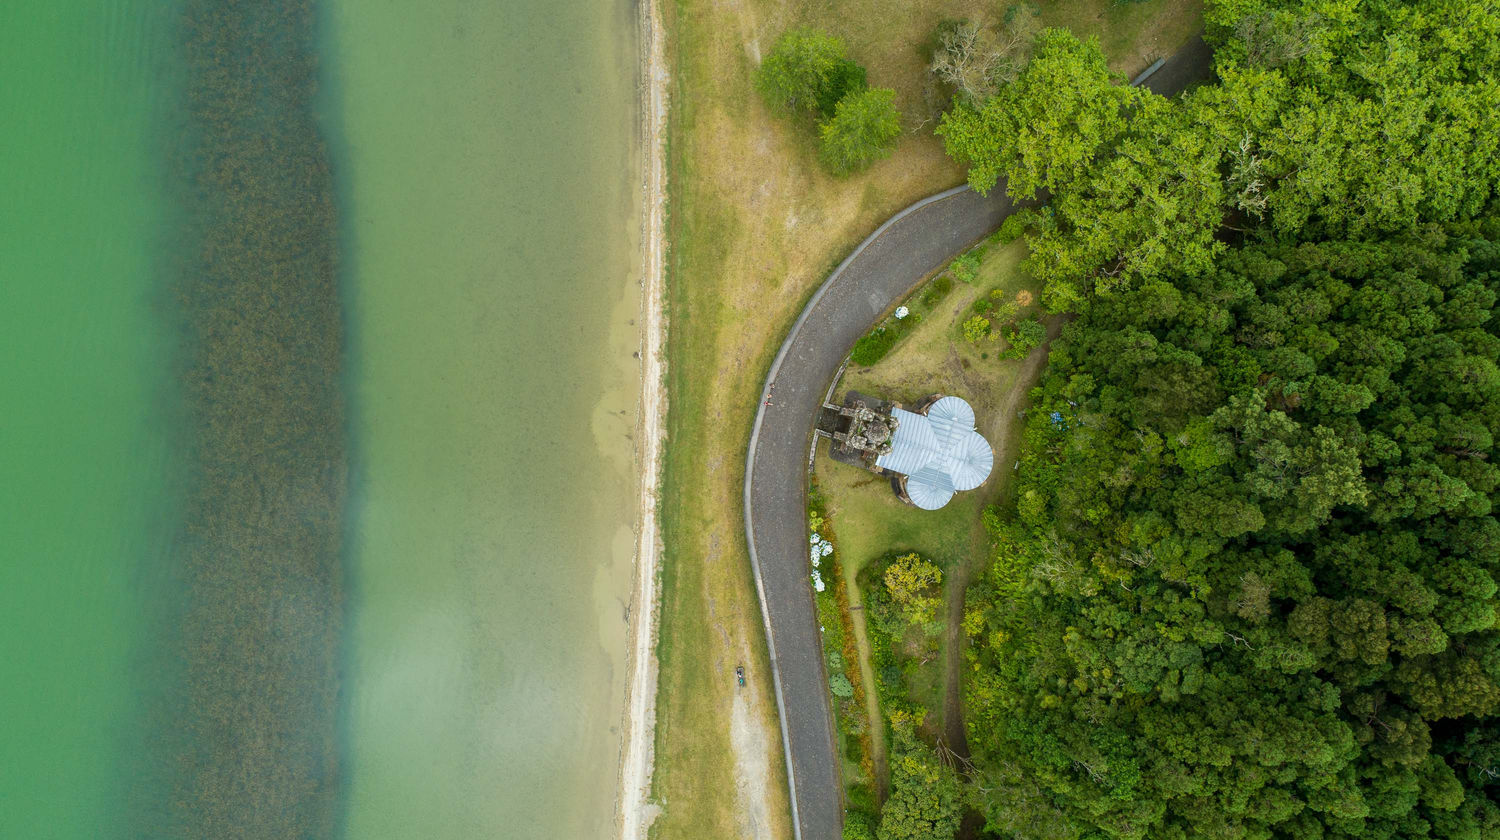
929,450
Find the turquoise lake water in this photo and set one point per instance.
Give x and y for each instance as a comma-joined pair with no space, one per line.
316,472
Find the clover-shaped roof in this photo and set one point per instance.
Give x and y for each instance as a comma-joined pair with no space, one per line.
939,452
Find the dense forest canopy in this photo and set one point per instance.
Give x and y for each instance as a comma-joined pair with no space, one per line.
1247,588
1328,118
1256,508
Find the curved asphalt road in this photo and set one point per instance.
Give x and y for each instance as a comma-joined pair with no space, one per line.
878,273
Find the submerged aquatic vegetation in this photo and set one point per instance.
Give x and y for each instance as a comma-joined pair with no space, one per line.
244,724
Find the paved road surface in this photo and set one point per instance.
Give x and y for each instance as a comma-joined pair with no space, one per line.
879,272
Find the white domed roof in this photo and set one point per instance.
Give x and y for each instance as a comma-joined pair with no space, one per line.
953,410
925,495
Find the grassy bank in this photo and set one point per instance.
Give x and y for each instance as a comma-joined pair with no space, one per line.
755,226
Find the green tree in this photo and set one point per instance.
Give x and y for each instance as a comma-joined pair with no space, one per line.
1248,585
924,803
846,80
1047,126
1329,119
807,70
863,129
857,826
914,586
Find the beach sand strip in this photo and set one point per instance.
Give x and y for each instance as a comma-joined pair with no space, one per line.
635,811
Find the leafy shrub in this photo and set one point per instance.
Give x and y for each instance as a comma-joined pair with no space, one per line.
965,268
1024,337
873,346
840,686
1006,311
858,826
891,679
976,328
1014,225
936,290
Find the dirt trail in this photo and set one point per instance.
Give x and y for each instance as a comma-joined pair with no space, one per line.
872,694
1004,433
752,751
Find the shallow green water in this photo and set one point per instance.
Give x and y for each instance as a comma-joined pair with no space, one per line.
85,494
488,183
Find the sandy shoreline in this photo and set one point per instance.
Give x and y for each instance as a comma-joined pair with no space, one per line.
634,811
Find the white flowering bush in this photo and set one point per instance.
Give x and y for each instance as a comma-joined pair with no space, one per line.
818,547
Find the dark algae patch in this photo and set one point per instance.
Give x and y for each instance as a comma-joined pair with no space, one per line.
248,726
